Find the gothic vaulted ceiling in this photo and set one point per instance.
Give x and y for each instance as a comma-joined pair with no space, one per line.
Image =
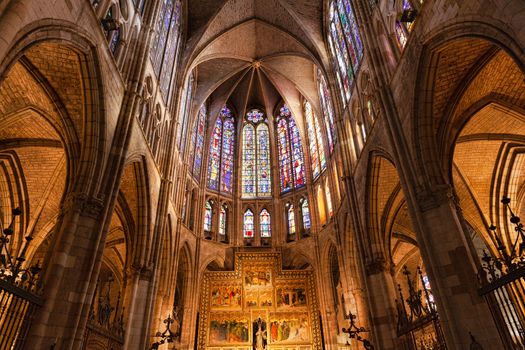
255,52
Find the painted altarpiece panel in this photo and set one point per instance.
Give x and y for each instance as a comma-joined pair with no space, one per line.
259,306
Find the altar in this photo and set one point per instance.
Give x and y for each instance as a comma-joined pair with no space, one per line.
259,306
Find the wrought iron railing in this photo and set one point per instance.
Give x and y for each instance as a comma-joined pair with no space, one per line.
105,328
20,290
418,324
502,280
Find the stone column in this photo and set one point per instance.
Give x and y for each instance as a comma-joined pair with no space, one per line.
453,274
381,291
67,279
136,303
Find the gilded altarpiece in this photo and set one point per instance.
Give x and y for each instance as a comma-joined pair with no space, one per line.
259,306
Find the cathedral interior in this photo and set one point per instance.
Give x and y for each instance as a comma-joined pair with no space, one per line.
262,174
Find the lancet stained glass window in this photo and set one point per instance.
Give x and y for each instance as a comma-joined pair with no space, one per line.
328,109
184,111
291,220
248,224
345,44
305,211
197,142
220,164
265,223
165,44
208,214
313,128
291,159
222,221
256,159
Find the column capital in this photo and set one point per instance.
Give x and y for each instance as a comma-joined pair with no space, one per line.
81,203
431,198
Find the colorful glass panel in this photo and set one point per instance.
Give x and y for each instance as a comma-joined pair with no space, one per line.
222,221
265,223
228,142
305,210
283,144
215,156
297,155
316,142
263,165
255,116
328,110
208,214
248,161
345,44
200,130
168,61
291,220
320,143
248,224
401,35
162,29
184,111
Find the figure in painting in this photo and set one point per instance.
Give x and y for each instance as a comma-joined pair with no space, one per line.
259,338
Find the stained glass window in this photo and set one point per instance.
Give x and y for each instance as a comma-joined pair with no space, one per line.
401,35
291,159
329,200
403,29
215,156
305,211
184,111
248,224
115,41
313,128
166,42
328,109
222,221
265,223
263,164
291,220
345,44
256,160
248,161
197,143
220,165
208,214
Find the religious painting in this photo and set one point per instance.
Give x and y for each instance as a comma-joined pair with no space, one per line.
251,299
265,298
260,334
289,327
257,278
229,328
259,306
223,296
290,296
